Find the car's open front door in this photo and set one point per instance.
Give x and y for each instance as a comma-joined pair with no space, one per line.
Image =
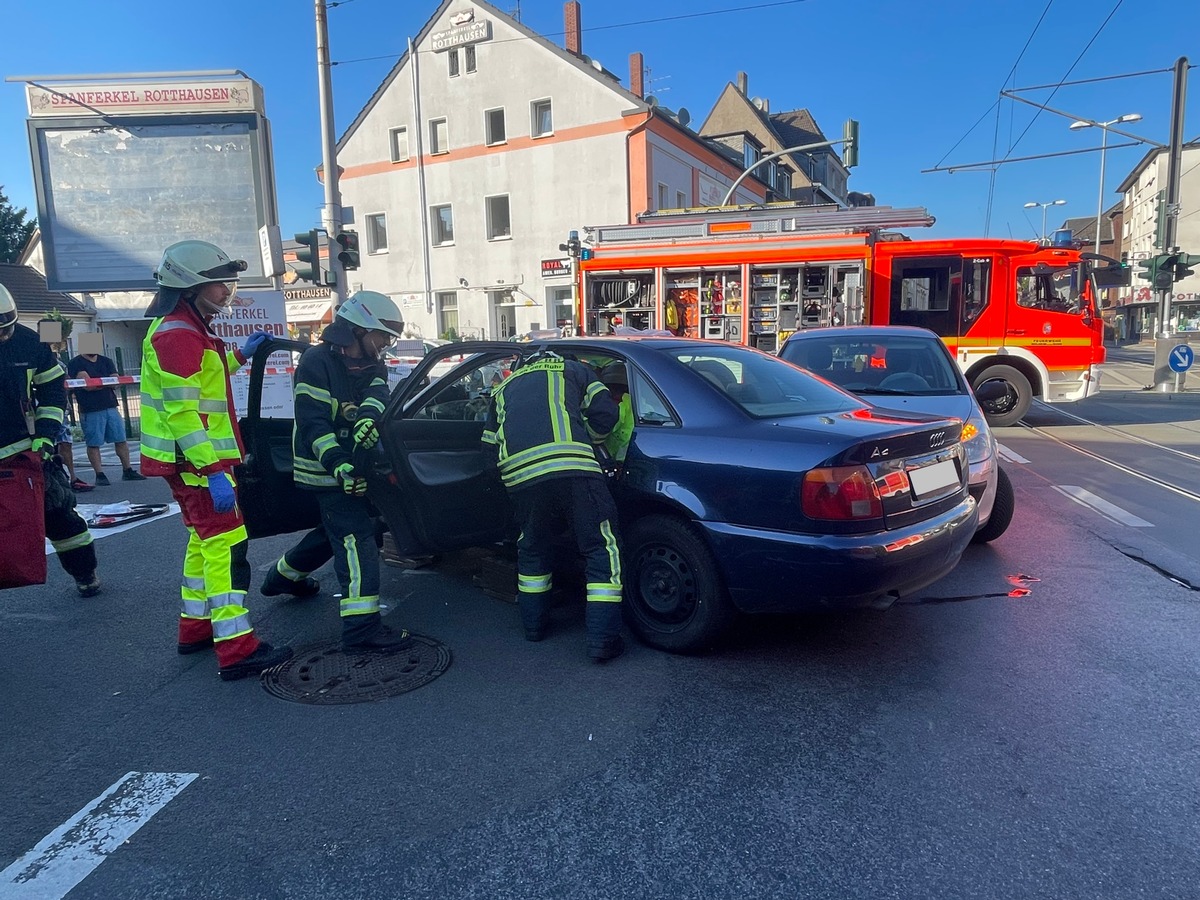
271,503
444,496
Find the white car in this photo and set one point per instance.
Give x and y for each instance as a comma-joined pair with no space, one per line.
907,368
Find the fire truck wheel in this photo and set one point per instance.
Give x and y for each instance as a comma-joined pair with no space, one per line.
1002,511
1010,408
674,597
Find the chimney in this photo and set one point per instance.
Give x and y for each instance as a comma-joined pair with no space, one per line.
573,26
743,84
637,79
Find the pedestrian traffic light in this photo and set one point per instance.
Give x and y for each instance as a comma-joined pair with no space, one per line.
850,144
309,252
1183,265
348,256
586,253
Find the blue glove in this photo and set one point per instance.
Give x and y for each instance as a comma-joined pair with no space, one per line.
221,488
253,342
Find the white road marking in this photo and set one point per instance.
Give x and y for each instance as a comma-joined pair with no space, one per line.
72,851
1099,504
1009,454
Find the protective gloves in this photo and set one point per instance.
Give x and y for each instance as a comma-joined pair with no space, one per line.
44,447
366,433
253,342
221,489
352,483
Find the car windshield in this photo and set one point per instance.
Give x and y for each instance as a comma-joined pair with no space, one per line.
764,386
880,364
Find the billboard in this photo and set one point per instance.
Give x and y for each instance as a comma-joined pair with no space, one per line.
123,170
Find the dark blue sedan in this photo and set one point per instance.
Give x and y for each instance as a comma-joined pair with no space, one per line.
748,484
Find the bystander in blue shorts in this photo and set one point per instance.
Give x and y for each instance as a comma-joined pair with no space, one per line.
104,426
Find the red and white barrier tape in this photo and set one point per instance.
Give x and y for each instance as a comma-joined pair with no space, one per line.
106,381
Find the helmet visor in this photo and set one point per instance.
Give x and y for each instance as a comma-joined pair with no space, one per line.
226,271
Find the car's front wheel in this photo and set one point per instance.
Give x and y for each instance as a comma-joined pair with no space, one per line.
1002,511
675,599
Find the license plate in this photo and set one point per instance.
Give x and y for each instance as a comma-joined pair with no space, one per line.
931,479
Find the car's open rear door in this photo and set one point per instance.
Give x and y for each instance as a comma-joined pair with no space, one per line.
444,496
271,503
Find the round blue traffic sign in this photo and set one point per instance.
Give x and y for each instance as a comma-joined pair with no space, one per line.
1181,358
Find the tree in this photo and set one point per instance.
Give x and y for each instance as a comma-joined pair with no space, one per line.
14,230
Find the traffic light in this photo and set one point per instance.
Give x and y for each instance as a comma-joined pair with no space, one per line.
348,256
1183,265
586,253
309,252
850,145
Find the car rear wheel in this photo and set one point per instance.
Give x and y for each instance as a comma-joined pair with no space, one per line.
1002,511
675,599
1012,406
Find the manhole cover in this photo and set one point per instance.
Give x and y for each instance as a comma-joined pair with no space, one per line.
327,674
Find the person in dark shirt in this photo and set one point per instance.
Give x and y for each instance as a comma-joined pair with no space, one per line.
99,416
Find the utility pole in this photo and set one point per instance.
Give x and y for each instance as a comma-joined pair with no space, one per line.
1174,162
331,213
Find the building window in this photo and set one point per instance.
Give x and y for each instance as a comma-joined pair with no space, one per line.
499,223
662,196
749,155
399,142
680,200
469,54
493,120
541,118
443,224
785,185
447,310
439,139
377,233
452,57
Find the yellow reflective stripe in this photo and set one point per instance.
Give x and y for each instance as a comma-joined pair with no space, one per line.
72,543
212,406
319,394
603,593
350,545
534,584
549,468
53,413
288,572
226,443
195,608
370,403
613,551
489,437
16,447
313,480
55,371
559,423
191,439
533,454
324,444
358,606
227,627
154,442
593,389
180,394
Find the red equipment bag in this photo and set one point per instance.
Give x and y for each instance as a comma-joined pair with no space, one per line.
22,521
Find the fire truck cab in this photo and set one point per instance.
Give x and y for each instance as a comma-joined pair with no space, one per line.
1011,311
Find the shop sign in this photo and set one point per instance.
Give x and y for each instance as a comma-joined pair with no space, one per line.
464,29
141,98
308,293
553,268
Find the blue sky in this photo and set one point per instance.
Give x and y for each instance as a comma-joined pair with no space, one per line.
917,75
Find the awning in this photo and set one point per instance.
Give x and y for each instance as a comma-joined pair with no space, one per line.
307,310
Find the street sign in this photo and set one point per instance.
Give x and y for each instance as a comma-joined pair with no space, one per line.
1181,358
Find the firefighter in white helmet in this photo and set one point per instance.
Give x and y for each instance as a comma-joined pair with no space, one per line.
190,437
341,390
33,402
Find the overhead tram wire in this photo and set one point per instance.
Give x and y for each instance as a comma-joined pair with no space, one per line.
592,28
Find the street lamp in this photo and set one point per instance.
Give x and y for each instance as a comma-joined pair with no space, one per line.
1103,126
1043,206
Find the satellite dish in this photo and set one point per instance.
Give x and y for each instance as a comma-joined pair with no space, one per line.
652,101
596,65
684,116
757,101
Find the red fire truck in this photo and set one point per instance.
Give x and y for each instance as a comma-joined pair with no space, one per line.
1013,311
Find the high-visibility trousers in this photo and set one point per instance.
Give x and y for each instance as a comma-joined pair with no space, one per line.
586,503
216,573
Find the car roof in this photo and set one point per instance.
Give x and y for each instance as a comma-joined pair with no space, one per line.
863,331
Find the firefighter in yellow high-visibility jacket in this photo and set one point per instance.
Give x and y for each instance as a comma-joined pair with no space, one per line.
190,437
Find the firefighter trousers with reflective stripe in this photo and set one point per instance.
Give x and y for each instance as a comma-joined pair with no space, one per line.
350,530
216,573
72,541
588,508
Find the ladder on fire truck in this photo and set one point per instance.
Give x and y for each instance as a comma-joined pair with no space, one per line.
772,218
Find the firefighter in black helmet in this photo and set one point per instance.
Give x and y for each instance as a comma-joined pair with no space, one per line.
543,425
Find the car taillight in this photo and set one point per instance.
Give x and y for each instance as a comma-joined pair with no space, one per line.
841,493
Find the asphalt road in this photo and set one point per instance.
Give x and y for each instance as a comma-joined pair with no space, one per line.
965,744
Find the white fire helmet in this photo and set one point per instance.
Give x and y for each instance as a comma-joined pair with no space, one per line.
373,311
189,264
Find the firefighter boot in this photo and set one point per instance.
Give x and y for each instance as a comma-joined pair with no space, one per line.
265,657
276,583
604,630
369,633
534,613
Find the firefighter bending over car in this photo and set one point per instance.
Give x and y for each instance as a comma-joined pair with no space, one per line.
33,401
190,438
542,426
341,389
